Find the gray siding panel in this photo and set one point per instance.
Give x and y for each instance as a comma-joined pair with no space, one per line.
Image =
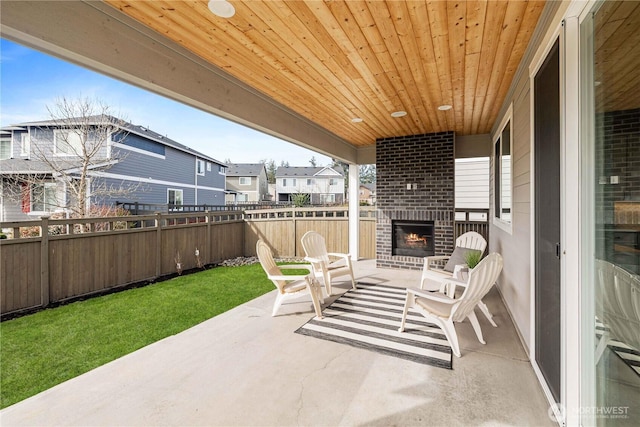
515,282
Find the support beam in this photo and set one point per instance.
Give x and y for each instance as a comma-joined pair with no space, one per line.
354,211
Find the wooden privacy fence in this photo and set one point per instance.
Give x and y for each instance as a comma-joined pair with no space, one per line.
71,258
283,229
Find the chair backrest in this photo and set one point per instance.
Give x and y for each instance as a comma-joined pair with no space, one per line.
618,302
265,256
481,279
314,246
472,240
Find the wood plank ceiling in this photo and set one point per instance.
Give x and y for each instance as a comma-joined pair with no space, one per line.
617,56
334,61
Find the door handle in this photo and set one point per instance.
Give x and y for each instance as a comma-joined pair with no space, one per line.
558,250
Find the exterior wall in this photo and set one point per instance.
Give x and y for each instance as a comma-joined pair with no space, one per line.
251,190
319,185
426,161
515,281
177,170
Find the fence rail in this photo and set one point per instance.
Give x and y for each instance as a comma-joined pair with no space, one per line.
71,258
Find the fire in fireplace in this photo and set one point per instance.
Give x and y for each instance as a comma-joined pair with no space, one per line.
412,238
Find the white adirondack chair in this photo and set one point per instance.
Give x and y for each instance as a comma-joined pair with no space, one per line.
443,310
617,306
289,286
438,276
316,251
430,272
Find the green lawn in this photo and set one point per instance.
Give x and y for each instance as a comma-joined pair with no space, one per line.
46,348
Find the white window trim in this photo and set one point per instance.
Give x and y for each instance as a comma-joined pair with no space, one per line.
25,142
208,166
10,148
177,190
507,119
56,152
204,167
222,170
241,178
33,211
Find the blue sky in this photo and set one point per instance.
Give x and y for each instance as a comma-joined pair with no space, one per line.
30,81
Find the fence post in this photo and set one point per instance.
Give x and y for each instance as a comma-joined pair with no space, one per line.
208,251
158,244
44,261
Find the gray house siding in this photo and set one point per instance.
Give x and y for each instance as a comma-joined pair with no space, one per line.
144,167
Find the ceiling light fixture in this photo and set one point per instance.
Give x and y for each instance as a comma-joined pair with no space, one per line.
356,120
445,107
398,114
222,8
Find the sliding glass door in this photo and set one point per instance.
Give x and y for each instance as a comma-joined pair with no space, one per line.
610,69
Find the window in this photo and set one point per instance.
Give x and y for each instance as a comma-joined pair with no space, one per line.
43,197
222,170
67,143
284,182
200,166
25,144
293,182
208,166
174,197
309,181
242,197
5,148
502,174
245,180
333,181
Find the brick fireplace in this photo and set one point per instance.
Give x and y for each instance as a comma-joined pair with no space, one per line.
415,183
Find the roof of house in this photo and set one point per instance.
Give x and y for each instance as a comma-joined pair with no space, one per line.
30,167
294,171
370,186
245,169
129,127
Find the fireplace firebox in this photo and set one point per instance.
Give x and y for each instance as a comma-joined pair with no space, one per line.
413,238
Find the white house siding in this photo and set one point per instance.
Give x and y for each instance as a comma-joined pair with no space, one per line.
472,183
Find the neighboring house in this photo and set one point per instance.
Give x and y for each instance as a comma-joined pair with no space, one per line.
322,184
367,194
161,170
247,182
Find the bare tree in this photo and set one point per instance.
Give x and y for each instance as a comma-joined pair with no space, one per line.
74,147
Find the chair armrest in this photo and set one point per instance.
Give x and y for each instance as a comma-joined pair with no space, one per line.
339,255
313,260
434,296
296,267
287,277
429,259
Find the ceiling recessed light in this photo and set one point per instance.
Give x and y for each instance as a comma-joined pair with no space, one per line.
356,120
222,8
445,107
398,114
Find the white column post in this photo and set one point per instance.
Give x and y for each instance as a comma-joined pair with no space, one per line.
354,211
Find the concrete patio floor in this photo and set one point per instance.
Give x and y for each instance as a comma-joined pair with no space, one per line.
245,367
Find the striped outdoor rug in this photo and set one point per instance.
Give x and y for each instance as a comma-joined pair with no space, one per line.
369,318
629,355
